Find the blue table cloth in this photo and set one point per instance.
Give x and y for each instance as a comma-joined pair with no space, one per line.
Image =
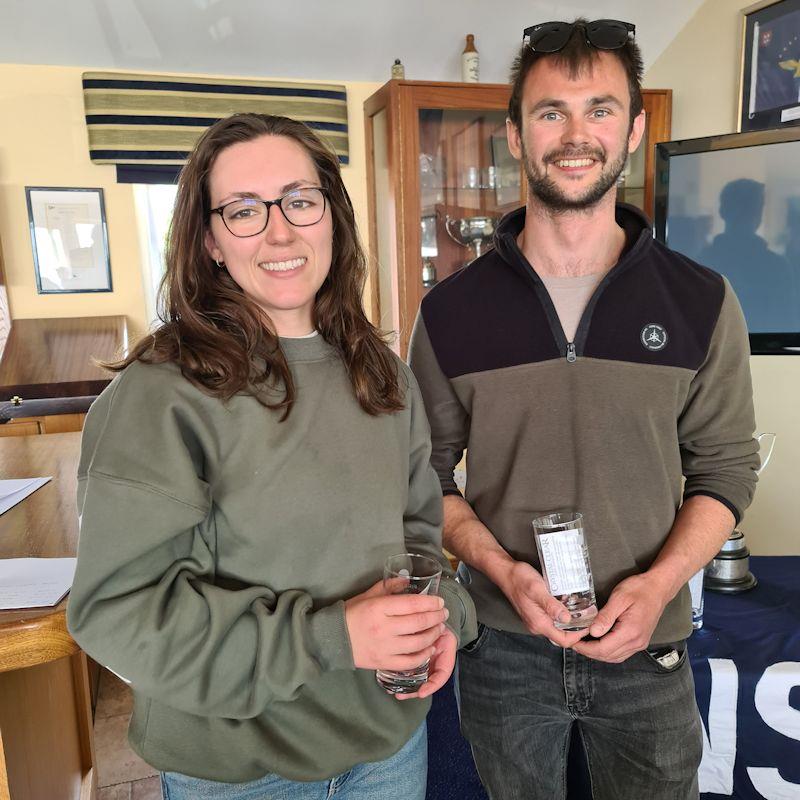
746,663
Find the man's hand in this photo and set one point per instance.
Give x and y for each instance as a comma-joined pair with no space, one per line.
631,615
538,609
440,668
397,631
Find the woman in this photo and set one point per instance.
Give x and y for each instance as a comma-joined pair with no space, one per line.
242,481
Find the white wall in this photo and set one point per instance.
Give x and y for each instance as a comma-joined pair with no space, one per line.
701,66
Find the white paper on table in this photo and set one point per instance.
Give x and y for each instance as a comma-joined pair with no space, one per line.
34,582
14,491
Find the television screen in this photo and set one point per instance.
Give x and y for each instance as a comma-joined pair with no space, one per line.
732,203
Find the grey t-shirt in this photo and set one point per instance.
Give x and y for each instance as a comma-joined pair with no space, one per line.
570,295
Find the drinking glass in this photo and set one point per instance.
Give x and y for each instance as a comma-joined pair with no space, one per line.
408,573
564,559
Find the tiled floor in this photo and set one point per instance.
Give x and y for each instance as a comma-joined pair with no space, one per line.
121,774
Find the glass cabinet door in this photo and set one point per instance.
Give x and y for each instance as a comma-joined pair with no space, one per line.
467,181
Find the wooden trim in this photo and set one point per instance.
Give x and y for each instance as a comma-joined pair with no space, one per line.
658,106
83,707
5,791
374,300
35,641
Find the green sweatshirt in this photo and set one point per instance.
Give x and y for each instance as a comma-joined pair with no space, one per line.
217,546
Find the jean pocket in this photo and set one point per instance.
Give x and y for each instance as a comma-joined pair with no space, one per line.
476,644
666,660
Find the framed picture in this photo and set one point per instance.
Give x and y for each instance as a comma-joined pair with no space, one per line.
69,240
769,95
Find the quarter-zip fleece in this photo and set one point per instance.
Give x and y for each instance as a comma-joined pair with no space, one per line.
655,387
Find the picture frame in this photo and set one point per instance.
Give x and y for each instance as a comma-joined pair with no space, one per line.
69,239
769,87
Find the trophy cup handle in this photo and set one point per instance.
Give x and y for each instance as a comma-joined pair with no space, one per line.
447,220
771,437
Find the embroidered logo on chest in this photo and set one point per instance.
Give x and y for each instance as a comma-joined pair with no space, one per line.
653,336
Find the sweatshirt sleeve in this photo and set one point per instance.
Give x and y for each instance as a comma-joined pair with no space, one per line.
422,519
448,419
715,429
146,600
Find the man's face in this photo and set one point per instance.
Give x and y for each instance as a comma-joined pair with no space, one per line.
576,134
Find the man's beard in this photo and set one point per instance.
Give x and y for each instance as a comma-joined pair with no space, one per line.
547,191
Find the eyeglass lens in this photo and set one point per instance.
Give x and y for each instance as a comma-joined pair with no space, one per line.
607,34
604,34
248,216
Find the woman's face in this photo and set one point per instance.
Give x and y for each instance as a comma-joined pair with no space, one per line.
282,268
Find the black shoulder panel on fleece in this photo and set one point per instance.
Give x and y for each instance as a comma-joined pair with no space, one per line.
486,316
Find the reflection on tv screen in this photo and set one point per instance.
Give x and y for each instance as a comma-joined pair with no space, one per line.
738,212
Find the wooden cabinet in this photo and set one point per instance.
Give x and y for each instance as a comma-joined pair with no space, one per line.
440,176
636,186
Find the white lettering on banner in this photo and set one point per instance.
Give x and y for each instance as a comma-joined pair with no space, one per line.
772,698
772,702
719,746
769,784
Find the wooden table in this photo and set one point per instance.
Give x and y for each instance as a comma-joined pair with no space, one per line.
55,357
46,742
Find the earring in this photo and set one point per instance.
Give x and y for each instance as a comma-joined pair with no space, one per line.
220,264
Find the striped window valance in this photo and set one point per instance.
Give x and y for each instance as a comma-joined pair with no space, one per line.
157,119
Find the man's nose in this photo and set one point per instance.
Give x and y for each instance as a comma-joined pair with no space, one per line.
575,132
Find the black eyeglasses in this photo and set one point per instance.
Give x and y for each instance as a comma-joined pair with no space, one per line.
249,216
604,34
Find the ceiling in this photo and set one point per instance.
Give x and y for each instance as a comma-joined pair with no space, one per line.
328,40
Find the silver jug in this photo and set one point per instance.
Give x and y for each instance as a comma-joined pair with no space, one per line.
729,570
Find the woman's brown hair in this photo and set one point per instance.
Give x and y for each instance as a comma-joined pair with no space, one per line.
221,340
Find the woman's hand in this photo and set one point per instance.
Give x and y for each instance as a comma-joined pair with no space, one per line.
440,668
396,631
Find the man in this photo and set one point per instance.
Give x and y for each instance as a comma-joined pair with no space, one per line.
584,366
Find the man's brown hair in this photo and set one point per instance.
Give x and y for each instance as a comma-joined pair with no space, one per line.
576,56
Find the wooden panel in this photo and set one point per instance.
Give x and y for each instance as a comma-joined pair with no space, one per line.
55,357
56,423
39,718
24,426
62,423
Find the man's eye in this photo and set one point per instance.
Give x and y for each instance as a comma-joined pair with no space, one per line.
601,112
550,116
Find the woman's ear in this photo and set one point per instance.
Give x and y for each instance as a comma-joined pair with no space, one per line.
211,246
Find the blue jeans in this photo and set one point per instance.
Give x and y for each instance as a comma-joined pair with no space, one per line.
521,699
402,776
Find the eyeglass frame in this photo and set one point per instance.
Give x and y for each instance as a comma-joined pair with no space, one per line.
527,33
268,204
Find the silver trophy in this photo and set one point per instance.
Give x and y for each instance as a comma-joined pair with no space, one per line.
729,570
472,232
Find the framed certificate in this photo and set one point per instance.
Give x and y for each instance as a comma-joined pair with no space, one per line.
69,240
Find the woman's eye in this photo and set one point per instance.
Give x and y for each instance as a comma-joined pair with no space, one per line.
242,213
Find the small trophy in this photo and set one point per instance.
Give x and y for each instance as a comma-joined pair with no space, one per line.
729,570
471,232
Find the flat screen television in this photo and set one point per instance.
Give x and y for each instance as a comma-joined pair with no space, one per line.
732,203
